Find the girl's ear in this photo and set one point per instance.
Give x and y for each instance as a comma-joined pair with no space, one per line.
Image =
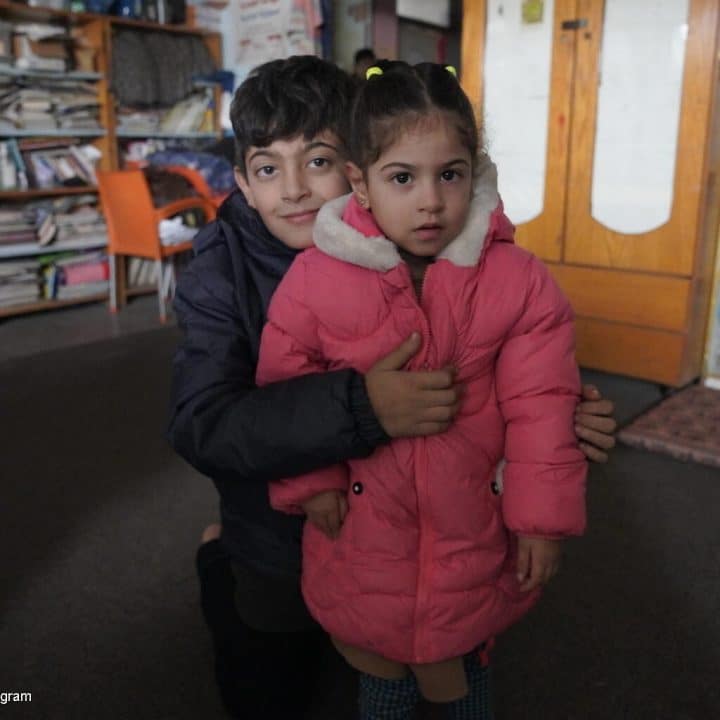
357,181
242,183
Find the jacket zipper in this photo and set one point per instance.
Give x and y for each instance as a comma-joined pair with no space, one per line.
423,500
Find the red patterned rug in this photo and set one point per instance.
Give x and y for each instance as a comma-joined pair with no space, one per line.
686,426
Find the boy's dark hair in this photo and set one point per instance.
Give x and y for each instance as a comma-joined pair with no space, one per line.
281,99
390,103
364,54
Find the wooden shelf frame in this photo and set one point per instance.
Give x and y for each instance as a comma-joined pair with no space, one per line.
36,193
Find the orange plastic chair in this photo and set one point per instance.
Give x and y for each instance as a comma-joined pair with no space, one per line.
194,177
133,229
197,180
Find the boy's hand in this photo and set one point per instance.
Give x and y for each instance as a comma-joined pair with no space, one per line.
594,424
327,511
538,561
410,404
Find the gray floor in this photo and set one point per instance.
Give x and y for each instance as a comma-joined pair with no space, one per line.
24,335
99,612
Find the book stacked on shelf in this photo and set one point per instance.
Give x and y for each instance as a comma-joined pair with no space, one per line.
138,121
41,46
64,223
80,223
74,276
193,114
42,103
19,282
29,224
46,163
141,272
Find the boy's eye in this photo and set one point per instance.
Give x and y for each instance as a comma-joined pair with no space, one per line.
401,178
319,162
450,175
265,171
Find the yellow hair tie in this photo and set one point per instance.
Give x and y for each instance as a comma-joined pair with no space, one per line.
451,70
374,70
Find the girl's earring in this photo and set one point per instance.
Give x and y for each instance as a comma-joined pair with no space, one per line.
362,201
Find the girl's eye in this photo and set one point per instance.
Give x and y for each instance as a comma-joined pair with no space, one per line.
265,171
401,178
450,175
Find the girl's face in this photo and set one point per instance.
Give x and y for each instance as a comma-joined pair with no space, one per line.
419,189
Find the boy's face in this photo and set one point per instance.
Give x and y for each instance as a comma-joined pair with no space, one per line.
288,182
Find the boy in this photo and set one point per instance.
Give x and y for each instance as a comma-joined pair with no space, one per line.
288,118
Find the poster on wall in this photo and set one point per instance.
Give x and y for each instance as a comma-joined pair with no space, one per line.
271,29
433,12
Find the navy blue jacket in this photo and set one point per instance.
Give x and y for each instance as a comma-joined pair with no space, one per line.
238,434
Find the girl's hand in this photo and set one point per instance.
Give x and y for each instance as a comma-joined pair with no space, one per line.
594,424
327,511
538,561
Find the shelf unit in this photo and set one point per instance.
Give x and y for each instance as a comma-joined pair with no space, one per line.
30,249
97,31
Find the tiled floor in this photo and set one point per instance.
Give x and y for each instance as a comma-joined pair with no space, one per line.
25,335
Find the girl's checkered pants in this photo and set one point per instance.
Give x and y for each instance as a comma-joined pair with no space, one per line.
396,699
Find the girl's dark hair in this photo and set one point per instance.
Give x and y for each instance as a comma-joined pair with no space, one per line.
281,99
387,104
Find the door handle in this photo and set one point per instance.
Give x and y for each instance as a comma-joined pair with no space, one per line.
576,24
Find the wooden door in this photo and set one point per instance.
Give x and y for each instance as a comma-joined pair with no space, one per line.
543,233
671,247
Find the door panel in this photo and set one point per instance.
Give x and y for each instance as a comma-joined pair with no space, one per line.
629,350
516,101
641,66
656,301
669,248
519,75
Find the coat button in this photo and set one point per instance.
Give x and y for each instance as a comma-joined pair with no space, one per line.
357,488
495,487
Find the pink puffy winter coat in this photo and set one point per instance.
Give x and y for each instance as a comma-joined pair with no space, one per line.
423,569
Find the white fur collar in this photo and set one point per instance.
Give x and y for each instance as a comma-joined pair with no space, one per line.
339,240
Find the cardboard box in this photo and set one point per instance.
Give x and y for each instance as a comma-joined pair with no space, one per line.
23,46
84,59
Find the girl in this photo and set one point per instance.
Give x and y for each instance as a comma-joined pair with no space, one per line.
416,557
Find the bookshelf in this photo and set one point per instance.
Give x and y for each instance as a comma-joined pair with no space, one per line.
95,33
